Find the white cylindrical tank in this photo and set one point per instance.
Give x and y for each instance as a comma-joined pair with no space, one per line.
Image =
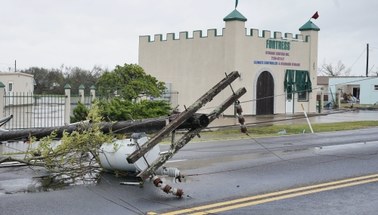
113,155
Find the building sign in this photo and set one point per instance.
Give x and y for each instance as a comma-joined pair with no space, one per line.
276,44
278,57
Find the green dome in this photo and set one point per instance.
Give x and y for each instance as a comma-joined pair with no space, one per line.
235,15
309,26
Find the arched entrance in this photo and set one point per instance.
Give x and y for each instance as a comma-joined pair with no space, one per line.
264,94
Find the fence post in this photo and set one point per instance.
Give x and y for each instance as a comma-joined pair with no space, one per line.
81,93
93,93
338,97
2,94
67,108
321,101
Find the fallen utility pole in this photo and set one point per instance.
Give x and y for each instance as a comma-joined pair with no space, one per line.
183,116
121,127
5,119
175,147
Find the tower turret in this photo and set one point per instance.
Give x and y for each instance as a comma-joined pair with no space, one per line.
310,34
234,34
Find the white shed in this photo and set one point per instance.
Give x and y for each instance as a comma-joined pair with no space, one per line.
17,82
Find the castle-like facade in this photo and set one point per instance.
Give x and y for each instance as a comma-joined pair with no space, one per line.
278,70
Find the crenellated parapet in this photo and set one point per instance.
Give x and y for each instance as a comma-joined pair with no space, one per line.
215,33
276,35
184,35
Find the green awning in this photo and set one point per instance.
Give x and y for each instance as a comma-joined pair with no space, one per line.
297,81
303,81
289,81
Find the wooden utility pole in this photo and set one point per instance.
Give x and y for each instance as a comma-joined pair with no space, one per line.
208,96
190,135
121,127
367,60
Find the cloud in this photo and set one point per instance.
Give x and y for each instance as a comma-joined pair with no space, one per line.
84,33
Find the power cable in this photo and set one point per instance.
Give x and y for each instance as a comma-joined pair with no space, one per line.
284,94
135,211
267,149
358,58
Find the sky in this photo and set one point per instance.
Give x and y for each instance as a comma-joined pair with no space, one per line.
105,33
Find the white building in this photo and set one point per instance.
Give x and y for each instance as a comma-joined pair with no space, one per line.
278,70
364,89
17,82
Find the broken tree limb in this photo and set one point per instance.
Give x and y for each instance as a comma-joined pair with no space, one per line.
190,135
121,127
13,159
208,96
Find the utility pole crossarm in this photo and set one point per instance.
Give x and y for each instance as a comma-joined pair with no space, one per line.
208,96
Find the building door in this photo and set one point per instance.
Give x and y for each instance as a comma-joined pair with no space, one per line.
356,92
264,94
289,103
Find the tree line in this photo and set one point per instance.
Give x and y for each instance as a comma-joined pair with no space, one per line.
128,81
120,90
52,81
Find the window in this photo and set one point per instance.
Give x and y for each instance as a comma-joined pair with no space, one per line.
10,86
375,87
303,96
302,79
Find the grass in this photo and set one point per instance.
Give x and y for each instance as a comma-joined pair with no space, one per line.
359,106
273,130
317,127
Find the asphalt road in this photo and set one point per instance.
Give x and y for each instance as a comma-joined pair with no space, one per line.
224,171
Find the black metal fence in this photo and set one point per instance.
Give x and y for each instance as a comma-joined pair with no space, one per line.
37,111
34,111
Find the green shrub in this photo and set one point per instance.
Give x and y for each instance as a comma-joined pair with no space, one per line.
120,110
80,113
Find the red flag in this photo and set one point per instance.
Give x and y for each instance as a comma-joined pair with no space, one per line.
316,15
